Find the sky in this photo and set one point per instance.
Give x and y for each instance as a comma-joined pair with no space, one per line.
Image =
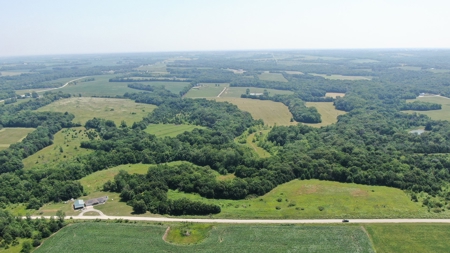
44,27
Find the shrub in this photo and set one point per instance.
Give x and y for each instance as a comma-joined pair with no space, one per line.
277,207
321,208
279,199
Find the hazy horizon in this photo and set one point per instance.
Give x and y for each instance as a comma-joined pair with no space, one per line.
57,28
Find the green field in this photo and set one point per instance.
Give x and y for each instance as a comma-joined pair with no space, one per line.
274,77
443,114
299,199
85,108
95,181
9,136
273,113
236,92
171,130
341,77
67,140
410,237
114,237
327,112
102,87
206,90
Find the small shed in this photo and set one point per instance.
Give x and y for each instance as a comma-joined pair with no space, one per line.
78,204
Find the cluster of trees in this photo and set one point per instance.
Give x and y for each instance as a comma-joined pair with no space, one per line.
12,228
421,106
149,192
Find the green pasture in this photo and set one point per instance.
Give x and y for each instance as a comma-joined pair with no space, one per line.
327,112
86,108
273,77
170,130
342,77
236,92
443,114
121,237
410,237
158,68
66,145
314,199
206,90
10,136
272,113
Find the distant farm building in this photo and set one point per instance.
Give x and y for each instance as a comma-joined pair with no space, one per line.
96,201
78,204
256,94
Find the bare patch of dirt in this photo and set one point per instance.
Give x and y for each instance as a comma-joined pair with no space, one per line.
166,233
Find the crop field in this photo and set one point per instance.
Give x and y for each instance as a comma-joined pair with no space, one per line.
410,237
237,71
236,92
327,112
274,77
11,73
174,87
171,130
271,112
206,90
66,145
115,237
334,94
9,136
443,114
341,77
303,199
86,108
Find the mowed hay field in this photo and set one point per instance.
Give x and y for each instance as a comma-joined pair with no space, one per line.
443,114
86,108
303,199
273,113
327,112
10,136
171,130
113,237
341,77
334,94
206,90
274,77
410,237
66,145
236,92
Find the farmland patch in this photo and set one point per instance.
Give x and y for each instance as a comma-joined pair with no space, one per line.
272,113
327,112
86,108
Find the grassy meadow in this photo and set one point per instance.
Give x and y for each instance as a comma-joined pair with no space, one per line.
273,113
99,87
236,92
119,237
86,108
66,145
274,77
341,77
206,90
443,114
327,112
170,130
410,237
303,199
10,136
